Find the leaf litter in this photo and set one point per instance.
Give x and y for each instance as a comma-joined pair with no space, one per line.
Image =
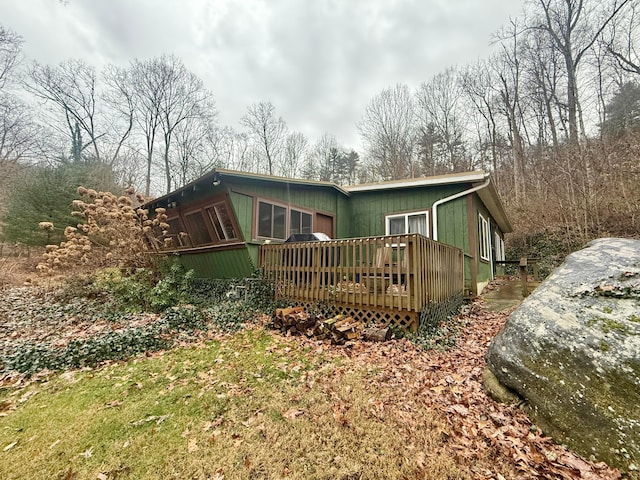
491,438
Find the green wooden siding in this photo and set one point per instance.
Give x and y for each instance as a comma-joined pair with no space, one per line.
360,215
243,208
235,263
484,267
453,229
368,209
343,218
314,198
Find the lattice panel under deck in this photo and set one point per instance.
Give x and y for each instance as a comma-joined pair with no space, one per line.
395,319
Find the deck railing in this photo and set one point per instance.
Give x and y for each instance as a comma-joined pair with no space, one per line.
403,272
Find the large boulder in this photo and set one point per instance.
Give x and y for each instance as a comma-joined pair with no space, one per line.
572,352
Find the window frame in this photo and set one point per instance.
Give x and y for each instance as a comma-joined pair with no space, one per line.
484,238
205,224
229,213
499,246
287,226
203,207
301,213
406,215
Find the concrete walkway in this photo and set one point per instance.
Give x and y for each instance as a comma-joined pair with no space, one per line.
505,292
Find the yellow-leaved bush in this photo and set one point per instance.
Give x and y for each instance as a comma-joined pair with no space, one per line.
114,231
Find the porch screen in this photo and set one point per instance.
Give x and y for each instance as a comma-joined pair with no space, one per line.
197,228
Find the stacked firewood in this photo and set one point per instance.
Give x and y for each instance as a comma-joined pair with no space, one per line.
338,329
294,320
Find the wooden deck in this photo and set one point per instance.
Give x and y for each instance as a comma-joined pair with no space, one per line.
392,273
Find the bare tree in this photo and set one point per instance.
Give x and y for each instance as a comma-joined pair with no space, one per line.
543,65
19,134
194,141
120,99
71,89
574,26
323,159
507,69
184,99
230,149
149,89
477,85
167,95
295,149
438,105
387,129
10,47
268,131
622,41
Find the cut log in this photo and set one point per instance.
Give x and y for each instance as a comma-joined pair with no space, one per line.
377,334
283,312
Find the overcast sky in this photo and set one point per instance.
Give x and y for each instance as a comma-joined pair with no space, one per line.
319,62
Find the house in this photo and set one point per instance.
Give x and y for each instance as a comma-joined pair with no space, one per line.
221,222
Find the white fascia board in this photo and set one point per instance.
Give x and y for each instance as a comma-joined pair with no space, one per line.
420,182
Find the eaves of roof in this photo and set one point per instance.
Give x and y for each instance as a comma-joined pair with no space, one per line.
489,195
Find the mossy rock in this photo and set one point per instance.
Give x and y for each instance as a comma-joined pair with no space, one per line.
572,351
498,391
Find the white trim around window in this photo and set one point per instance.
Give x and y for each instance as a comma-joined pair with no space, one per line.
405,223
484,238
499,243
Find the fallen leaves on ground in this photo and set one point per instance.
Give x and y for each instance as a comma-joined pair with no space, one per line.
494,440
489,439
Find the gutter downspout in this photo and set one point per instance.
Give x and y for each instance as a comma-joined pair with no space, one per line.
434,207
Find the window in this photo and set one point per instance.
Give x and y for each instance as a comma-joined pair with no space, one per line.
177,233
417,222
197,229
499,245
202,225
300,222
484,238
222,222
272,221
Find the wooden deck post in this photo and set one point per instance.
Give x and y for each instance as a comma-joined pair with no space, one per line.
523,276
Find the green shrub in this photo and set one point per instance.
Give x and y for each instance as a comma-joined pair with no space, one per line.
230,316
31,358
126,292
172,289
184,317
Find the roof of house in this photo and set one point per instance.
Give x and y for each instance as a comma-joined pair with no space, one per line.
465,177
489,195
273,178
218,174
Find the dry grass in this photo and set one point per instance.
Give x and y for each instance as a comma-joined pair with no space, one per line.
19,270
252,405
